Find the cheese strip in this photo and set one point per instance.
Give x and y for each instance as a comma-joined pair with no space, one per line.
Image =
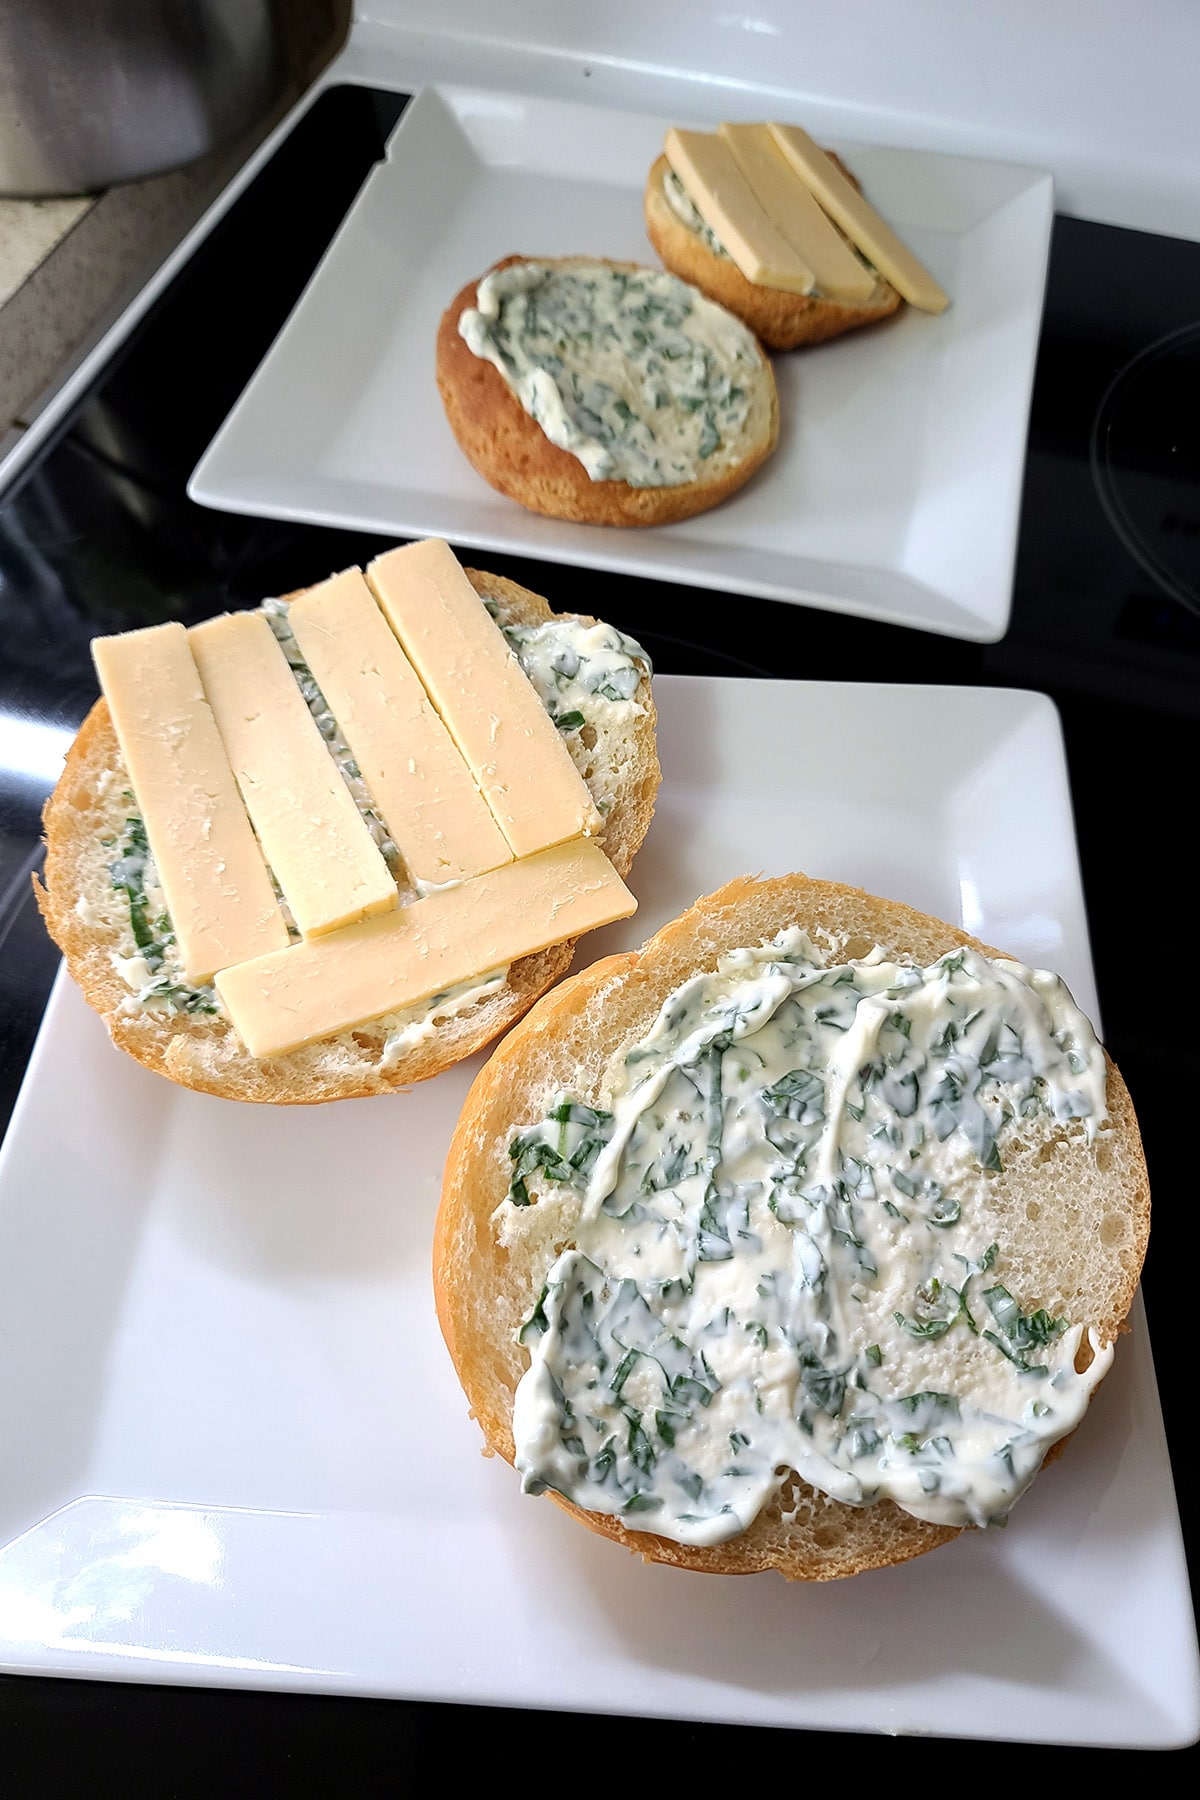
216,885
492,710
726,202
417,779
785,199
331,984
859,220
312,833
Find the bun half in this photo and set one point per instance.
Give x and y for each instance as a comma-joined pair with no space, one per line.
512,452
1075,1212
89,919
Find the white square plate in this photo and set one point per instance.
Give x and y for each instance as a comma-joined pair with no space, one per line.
895,490
235,1450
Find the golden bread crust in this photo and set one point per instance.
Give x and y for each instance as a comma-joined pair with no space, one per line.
781,320
1085,1260
512,452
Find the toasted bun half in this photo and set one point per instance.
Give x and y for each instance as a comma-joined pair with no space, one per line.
89,918
512,452
781,320
1078,1210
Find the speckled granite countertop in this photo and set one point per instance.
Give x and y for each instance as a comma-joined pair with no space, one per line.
68,267
29,231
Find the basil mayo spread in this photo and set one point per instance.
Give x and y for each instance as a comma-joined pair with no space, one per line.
688,213
788,1254
587,677
632,371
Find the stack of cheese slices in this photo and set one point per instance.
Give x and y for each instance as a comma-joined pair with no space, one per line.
762,219
332,845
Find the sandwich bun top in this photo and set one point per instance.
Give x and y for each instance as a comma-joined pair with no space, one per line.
653,404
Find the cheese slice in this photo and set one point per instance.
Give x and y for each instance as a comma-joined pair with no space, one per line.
312,833
488,703
859,220
414,772
332,984
785,199
728,205
216,885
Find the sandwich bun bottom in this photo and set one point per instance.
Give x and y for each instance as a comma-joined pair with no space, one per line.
89,921
1084,1255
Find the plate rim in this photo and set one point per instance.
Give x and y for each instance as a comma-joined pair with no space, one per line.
1011,704
289,495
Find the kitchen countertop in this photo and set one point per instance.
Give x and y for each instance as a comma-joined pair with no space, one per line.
29,231
69,266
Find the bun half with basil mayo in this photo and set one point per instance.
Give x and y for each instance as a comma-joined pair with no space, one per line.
103,899
798,1239
603,392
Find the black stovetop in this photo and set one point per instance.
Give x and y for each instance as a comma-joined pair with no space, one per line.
100,536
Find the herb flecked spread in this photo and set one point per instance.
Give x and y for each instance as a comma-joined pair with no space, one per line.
786,1257
581,674
585,676
686,211
153,969
633,373
276,615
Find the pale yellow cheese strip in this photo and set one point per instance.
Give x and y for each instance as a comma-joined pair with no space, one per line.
492,710
859,220
416,776
792,210
332,984
216,885
726,202
312,833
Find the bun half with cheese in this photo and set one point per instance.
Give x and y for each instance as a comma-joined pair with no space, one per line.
104,900
602,392
779,230
798,1239
783,320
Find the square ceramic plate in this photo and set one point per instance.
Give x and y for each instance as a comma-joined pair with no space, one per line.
235,1452
895,489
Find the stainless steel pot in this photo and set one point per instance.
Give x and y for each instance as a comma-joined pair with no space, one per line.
97,91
